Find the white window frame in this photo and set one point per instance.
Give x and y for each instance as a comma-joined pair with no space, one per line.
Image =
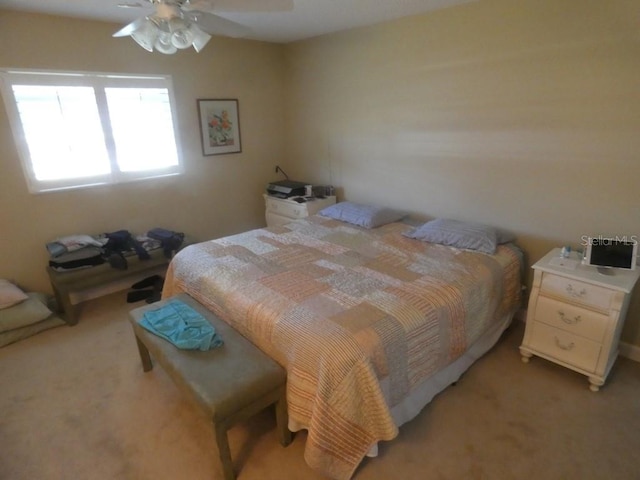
99,81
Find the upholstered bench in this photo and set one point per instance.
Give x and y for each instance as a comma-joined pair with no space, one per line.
231,383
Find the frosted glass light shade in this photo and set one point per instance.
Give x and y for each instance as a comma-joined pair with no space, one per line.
146,35
200,38
164,45
183,37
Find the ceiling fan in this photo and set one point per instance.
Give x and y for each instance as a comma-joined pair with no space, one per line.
180,24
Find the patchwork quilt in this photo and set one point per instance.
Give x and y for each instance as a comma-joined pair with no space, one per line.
346,310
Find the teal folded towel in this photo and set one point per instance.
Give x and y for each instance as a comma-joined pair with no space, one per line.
181,325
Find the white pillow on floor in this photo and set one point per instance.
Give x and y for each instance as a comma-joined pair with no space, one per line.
10,294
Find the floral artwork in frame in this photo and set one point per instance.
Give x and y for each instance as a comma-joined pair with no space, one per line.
219,126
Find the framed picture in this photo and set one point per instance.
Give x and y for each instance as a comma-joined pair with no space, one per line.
219,126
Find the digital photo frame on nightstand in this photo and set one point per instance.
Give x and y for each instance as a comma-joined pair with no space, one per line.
611,252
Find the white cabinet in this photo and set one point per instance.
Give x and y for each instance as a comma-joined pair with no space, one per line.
279,211
575,315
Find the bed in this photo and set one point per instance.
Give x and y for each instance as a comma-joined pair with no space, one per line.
369,324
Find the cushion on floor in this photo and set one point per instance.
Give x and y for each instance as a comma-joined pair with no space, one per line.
26,318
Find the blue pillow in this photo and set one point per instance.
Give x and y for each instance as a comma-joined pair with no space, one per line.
367,216
459,234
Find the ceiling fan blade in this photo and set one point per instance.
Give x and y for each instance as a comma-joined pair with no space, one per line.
214,24
130,28
130,5
239,5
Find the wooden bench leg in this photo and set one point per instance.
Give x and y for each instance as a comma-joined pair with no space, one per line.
224,453
144,355
68,310
282,420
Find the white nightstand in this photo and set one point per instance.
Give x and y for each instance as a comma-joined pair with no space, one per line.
575,315
279,211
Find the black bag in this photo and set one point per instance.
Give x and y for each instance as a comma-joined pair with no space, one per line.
169,240
119,244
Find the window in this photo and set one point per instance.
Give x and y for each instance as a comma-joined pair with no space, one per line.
77,129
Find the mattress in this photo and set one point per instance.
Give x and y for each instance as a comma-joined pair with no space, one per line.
361,319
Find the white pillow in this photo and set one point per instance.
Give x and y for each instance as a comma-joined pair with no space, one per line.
10,294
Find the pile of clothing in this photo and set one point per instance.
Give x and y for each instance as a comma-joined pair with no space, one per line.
84,251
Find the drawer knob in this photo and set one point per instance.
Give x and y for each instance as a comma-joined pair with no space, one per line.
575,293
568,320
562,346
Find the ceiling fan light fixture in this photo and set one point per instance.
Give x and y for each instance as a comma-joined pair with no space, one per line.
180,24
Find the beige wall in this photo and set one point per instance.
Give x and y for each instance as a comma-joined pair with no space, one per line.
523,115
218,195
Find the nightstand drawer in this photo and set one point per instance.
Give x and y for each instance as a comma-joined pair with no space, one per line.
284,210
292,210
571,318
565,347
576,291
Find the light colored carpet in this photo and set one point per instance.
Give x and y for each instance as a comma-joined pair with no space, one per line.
75,404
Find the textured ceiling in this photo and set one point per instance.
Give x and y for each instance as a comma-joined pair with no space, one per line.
309,18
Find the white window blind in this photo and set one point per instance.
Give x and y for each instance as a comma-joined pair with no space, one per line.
75,129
